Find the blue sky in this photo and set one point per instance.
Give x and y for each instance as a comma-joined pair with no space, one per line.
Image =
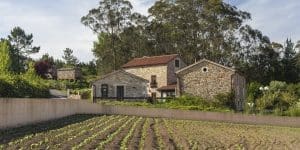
56,24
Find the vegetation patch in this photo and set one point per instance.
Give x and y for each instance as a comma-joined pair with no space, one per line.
118,132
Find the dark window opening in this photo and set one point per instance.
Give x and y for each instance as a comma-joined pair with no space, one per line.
153,83
177,64
120,92
104,90
204,69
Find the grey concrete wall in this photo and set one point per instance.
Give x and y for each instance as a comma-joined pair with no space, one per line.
17,112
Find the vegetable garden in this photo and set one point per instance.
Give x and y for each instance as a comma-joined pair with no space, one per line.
133,132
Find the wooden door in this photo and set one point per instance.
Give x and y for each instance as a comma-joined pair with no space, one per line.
120,92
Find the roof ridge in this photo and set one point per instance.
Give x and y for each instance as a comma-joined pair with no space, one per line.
202,60
155,56
150,60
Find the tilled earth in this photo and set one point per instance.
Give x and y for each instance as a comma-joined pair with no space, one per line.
133,132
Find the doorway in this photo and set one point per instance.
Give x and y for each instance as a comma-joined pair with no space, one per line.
120,92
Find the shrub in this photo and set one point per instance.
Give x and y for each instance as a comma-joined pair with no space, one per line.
294,88
187,100
85,93
6,89
253,91
278,101
65,84
24,85
277,86
293,111
226,100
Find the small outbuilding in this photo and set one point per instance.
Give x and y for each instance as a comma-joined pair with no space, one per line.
68,74
121,85
207,79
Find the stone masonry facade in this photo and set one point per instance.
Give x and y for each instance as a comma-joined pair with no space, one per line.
165,74
68,74
134,87
207,79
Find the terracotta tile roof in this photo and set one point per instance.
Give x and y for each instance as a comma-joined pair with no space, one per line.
150,61
168,87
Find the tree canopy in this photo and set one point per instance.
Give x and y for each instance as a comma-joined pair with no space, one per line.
194,29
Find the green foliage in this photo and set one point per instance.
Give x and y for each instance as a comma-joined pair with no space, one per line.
294,88
253,91
23,85
70,59
277,86
187,100
85,93
279,98
196,103
226,100
6,89
215,32
5,62
65,84
293,111
21,48
108,20
20,86
88,69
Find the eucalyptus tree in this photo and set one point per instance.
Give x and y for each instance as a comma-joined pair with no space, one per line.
110,18
197,28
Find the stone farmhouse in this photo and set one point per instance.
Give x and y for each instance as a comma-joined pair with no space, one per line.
159,71
167,76
207,79
121,84
68,74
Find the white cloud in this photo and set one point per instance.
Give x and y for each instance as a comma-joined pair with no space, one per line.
277,19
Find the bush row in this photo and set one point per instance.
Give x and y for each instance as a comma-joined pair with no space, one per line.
65,84
23,86
277,98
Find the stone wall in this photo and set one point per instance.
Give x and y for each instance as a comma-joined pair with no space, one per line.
172,78
206,84
133,87
68,74
147,72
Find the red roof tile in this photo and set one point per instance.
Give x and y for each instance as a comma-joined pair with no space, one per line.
150,61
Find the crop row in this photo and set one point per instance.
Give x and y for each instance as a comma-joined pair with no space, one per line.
129,132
